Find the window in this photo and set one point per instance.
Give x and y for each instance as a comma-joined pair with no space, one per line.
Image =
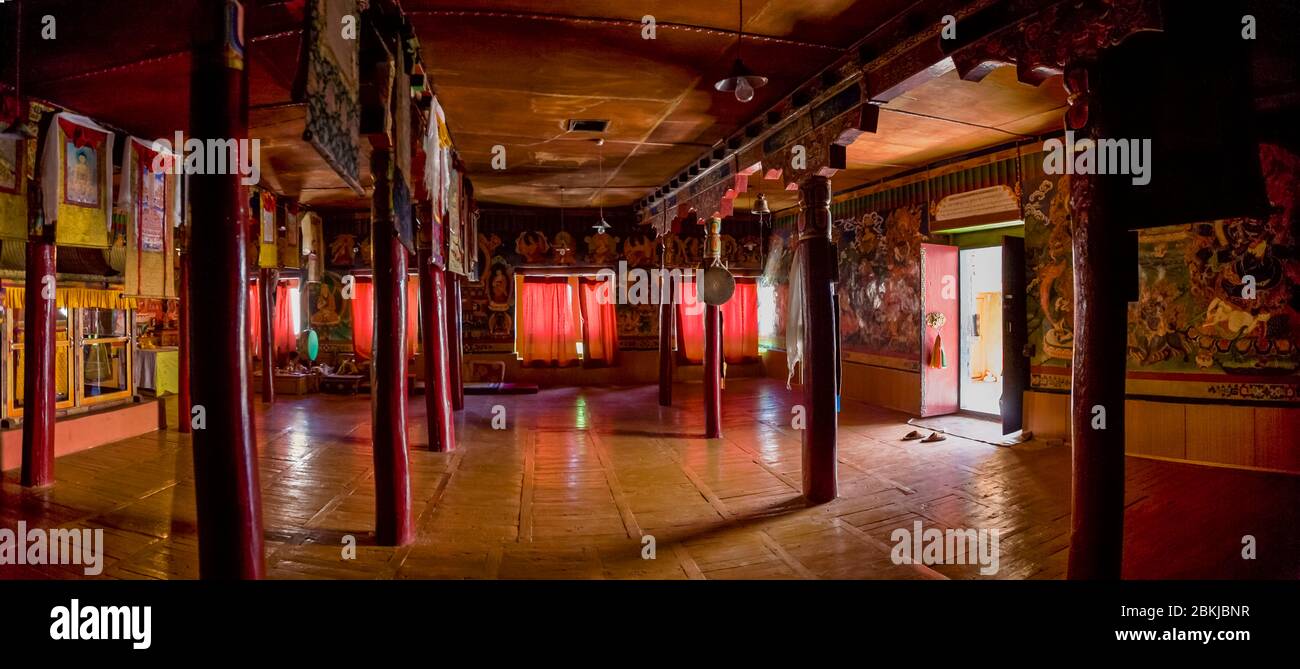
546,328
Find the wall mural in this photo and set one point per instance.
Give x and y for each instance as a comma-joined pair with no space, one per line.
1194,331
488,316
1049,268
330,315
1222,298
879,288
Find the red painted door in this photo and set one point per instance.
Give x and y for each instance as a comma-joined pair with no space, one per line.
940,332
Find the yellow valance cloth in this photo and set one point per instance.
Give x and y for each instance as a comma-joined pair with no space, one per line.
74,298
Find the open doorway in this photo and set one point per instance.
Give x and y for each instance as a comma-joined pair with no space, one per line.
981,329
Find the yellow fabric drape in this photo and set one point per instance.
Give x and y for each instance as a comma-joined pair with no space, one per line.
74,298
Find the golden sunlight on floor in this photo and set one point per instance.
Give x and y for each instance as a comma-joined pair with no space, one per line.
581,474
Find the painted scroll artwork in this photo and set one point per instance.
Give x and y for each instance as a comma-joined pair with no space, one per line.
331,88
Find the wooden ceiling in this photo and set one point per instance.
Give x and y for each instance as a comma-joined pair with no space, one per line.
511,72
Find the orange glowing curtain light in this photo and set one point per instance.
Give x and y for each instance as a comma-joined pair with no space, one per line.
286,340
690,326
546,323
599,322
740,323
363,318
254,321
412,317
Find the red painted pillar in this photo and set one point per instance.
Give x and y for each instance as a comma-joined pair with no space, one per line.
38,361
183,402
712,372
821,342
1097,386
227,492
455,345
437,382
393,522
667,310
266,284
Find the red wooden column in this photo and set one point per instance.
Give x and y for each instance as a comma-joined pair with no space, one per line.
183,402
1099,358
393,522
227,493
38,360
667,309
266,283
712,344
821,342
455,344
437,383
712,372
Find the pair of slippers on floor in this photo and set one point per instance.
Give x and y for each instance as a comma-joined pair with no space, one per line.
934,436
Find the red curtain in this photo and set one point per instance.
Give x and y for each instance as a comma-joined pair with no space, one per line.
286,338
254,321
599,322
690,326
546,324
412,316
740,323
363,318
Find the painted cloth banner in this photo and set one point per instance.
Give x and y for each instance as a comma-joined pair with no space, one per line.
151,201
15,164
331,88
267,250
77,181
437,160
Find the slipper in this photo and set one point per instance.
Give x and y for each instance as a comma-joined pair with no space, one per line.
912,435
934,436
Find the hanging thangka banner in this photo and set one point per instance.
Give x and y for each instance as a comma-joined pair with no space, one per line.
267,255
14,163
288,243
330,87
455,235
151,202
77,180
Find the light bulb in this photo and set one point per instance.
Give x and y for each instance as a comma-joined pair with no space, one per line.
744,92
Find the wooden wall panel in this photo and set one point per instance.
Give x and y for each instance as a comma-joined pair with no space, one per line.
1277,438
1156,428
1222,434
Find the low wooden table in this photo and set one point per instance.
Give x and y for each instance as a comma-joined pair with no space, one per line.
341,383
291,384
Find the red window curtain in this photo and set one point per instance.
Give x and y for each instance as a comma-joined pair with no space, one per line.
690,326
254,321
286,339
546,323
599,322
363,318
740,323
412,317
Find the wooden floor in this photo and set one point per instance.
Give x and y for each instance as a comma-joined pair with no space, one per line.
580,475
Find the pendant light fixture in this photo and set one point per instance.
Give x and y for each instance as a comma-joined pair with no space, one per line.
742,81
602,226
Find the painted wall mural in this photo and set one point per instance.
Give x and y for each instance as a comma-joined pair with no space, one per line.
1049,268
1218,314
879,288
1218,309
330,315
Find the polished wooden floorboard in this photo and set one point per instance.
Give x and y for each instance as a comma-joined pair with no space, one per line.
580,475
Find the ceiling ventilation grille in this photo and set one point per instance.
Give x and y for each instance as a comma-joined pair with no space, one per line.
586,125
